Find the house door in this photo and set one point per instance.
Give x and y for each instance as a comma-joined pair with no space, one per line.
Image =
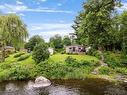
74,49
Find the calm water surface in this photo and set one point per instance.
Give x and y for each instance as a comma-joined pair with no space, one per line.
65,87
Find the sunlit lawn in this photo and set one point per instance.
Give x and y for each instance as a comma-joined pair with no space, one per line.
62,57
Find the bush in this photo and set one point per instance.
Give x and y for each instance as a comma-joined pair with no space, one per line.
71,62
111,61
5,75
20,72
40,53
123,59
19,54
94,52
105,70
121,70
23,57
85,63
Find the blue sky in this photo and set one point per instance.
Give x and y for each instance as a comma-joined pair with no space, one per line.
46,17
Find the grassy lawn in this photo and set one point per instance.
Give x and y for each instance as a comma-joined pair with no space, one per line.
55,58
11,59
13,69
62,57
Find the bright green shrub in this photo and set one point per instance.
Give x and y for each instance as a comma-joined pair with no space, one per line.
70,60
40,53
111,61
23,57
19,72
104,70
5,75
121,70
85,63
19,54
123,59
94,52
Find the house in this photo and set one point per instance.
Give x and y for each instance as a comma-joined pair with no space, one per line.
75,49
9,49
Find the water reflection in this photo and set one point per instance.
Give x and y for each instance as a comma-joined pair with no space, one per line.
64,87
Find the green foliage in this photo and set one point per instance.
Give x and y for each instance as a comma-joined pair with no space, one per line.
111,61
19,72
105,70
5,75
70,61
94,52
123,30
19,54
121,70
123,59
66,41
94,22
40,53
13,31
23,57
56,42
33,41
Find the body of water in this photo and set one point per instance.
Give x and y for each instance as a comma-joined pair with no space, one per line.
64,87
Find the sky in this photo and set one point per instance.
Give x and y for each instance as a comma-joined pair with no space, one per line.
47,17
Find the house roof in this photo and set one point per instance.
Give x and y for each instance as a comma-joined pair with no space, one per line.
9,47
74,45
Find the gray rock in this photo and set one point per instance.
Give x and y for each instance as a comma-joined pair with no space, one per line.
41,82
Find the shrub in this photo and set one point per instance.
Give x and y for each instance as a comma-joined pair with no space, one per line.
85,63
94,52
23,57
121,70
52,70
5,75
104,70
19,54
40,53
19,72
111,61
71,61
123,59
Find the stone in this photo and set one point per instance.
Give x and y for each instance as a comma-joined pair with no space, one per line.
41,82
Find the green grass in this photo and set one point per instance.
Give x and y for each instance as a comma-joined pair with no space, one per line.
11,59
28,68
62,57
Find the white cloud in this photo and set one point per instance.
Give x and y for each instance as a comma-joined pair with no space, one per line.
21,14
7,8
50,29
122,8
19,2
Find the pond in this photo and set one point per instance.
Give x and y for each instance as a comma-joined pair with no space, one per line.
65,87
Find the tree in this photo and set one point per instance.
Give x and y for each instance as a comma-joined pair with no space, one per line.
66,41
12,30
56,41
40,52
33,41
123,31
95,22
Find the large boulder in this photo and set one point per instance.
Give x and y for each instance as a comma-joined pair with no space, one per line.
41,82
